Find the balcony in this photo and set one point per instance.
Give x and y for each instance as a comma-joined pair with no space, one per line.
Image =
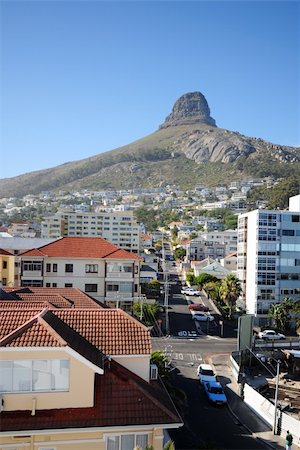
32,273
118,276
119,296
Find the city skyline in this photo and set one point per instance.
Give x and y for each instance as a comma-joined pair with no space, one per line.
82,78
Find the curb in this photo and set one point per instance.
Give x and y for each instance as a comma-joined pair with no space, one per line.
263,441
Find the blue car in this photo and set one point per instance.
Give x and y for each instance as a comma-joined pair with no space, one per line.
214,392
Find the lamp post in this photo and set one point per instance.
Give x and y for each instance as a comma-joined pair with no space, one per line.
276,398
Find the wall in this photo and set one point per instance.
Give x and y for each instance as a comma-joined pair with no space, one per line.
265,409
79,395
140,365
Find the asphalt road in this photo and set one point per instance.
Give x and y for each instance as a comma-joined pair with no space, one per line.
206,426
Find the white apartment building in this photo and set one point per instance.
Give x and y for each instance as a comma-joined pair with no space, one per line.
93,265
118,227
215,245
269,257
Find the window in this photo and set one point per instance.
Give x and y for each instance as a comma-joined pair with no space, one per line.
126,441
4,281
90,287
297,262
34,375
32,265
295,218
54,284
69,268
34,283
4,265
54,267
48,284
48,267
288,233
91,268
68,285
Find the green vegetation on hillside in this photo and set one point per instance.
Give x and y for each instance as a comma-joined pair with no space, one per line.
277,196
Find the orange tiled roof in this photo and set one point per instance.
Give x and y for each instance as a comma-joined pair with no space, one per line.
5,253
47,330
74,296
121,399
81,247
112,331
15,304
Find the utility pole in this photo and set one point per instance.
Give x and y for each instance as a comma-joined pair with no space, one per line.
276,399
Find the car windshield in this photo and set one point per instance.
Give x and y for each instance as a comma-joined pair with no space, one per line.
216,390
207,372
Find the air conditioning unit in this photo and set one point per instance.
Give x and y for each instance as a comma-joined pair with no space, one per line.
153,372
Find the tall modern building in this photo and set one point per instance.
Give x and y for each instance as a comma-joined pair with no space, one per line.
269,257
118,227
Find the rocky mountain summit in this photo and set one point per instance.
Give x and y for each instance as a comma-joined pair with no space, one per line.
187,149
191,108
206,142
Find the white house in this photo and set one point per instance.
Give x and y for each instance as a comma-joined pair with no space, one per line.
92,264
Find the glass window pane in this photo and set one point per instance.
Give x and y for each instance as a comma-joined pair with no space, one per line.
41,375
60,374
22,375
127,441
141,440
5,376
112,443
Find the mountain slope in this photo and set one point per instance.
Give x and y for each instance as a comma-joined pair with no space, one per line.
187,149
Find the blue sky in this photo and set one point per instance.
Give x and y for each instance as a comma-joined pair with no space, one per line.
82,77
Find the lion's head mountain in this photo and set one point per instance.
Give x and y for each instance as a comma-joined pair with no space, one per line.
188,148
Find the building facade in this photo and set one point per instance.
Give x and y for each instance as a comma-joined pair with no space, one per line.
79,379
95,266
269,257
215,245
118,227
7,268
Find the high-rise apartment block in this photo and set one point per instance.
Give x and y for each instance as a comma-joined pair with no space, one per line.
269,257
118,227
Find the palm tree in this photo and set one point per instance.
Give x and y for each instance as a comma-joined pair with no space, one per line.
280,312
230,290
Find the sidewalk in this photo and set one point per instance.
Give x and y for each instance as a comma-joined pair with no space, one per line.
242,413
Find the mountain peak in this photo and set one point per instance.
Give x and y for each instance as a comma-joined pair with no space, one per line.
190,108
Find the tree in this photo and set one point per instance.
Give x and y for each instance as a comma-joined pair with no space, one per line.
204,278
296,310
179,253
190,278
212,289
230,290
280,313
162,363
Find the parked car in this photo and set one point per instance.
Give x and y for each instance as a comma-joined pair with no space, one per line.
214,392
270,335
205,372
202,316
198,307
190,291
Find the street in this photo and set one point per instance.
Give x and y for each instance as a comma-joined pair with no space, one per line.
206,426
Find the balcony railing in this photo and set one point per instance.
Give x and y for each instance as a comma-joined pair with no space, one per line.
119,275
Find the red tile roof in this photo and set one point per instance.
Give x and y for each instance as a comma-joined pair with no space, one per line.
81,247
47,330
73,296
121,399
111,331
5,253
